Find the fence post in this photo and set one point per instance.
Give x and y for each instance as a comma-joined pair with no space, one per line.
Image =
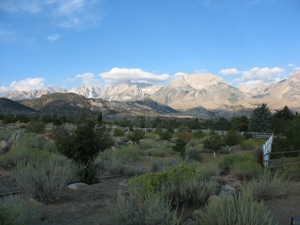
260,156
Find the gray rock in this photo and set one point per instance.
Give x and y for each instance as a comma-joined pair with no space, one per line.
190,222
14,138
76,186
197,214
227,187
4,146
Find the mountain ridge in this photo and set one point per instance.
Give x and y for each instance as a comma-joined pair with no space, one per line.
188,91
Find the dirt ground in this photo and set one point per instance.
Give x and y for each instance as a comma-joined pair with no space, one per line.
87,204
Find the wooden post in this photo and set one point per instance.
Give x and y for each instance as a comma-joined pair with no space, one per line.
260,156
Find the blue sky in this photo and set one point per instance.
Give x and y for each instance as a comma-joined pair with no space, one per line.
69,43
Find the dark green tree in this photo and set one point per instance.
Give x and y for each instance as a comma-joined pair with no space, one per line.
180,146
213,142
83,144
282,120
261,119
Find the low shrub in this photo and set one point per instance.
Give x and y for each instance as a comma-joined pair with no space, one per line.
238,209
193,154
118,132
227,162
268,186
213,141
232,138
15,210
44,179
154,209
247,145
246,170
21,154
35,127
182,184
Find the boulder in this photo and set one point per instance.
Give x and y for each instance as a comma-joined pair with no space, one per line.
14,138
4,146
76,186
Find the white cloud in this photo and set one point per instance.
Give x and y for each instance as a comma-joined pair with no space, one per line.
53,37
230,71
89,80
291,65
28,84
67,13
119,75
259,76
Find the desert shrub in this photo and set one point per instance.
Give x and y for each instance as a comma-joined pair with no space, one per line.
247,145
227,162
198,134
163,165
21,154
182,184
149,144
15,210
246,170
224,150
44,179
117,161
193,154
238,209
154,209
189,192
268,186
232,138
136,135
213,141
35,127
118,132
165,135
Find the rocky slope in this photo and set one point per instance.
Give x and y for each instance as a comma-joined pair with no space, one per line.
198,90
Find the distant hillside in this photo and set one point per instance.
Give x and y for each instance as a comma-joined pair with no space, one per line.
8,106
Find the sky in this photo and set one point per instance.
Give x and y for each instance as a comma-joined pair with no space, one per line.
72,43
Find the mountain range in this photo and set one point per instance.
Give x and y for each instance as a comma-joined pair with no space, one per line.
191,93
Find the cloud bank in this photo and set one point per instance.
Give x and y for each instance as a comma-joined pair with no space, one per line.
119,75
89,80
27,84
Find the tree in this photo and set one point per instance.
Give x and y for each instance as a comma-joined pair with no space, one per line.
213,141
180,146
83,144
261,119
282,120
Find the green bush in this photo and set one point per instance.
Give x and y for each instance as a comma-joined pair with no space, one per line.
154,209
246,170
183,184
227,162
35,127
213,142
21,154
239,209
44,179
136,135
268,186
247,145
232,138
118,132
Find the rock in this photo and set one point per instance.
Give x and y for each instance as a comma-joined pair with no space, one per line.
214,199
228,187
197,214
124,183
14,138
189,222
76,186
4,146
